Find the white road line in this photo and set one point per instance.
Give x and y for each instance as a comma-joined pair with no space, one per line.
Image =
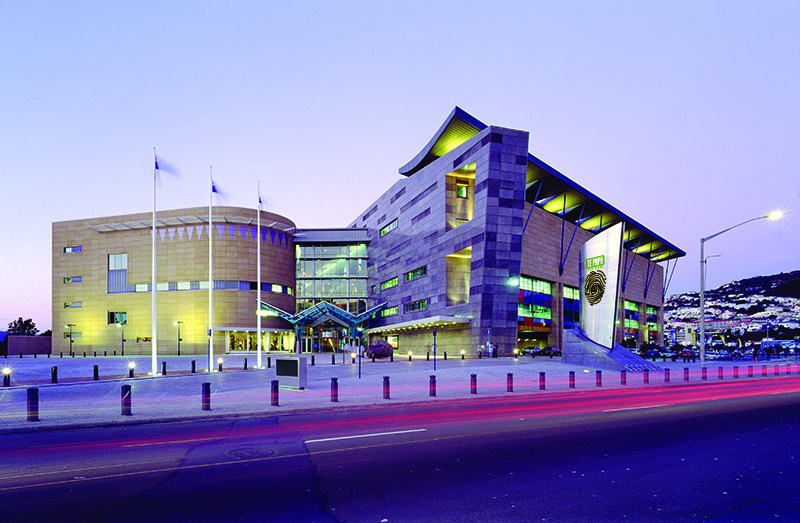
366,435
783,392
637,408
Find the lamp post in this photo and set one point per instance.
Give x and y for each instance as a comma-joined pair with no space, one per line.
771,216
122,326
178,323
69,326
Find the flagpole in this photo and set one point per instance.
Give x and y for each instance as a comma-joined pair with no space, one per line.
258,265
210,273
153,289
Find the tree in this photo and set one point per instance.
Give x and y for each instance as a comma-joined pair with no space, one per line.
22,327
48,332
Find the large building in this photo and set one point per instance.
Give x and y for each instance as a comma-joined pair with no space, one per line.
477,242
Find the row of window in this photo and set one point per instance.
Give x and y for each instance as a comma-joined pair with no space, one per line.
413,306
331,288
357,250
419,272
332,268
389,227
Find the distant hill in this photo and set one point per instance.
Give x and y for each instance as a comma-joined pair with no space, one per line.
785,284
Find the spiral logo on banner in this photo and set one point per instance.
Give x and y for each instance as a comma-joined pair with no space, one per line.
594,287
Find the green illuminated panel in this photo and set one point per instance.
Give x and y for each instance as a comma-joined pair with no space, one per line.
532,284
571,293
631,306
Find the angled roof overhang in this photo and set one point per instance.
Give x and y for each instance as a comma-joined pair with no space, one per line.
422,323
321,313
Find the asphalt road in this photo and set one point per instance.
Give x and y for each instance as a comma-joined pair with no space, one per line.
716,451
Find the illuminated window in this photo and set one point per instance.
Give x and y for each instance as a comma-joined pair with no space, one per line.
389,227
419,272
391,311
118,262
462,190
115,317
73,279
388,284
73,250
73,305
415,306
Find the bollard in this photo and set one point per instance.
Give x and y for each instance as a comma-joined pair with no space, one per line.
206,401
735,372
115,353
130,371
473,383
623,377
686,374
335,390
776,371
480,355
427,356
719,373
541,380
432,386
105,353
96,372
219,364
6,377
572,379
244,366
646,377
333,359
312,360
704,373
409,356
788,369
445,355
53,374
274,394
84,354
386,387
33,404
269,361
373,358
126,400
61,354
163,368
34,355
764,371
749,371
95,354
391,356
599,378
666,375
194,366
510,382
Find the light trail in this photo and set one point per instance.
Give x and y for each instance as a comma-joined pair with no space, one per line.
366,435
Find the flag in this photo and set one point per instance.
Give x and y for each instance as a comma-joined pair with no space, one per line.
215,190
164,166
259,200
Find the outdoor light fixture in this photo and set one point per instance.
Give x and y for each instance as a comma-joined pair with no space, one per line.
131,366
6,377
771,216
69,326
178,323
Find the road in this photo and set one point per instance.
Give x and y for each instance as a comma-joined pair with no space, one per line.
716,451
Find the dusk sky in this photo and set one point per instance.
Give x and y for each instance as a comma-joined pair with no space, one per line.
685,115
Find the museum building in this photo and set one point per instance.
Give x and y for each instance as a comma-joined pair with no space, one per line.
477,243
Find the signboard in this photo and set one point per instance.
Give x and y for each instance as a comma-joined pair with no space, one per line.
600,280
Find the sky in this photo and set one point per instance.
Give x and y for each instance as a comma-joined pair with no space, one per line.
685,115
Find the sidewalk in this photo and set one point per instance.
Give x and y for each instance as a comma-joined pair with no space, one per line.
79,401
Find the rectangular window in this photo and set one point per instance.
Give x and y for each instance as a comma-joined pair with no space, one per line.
571,293
419,272
462,190
277,288
73,279
75,335
415,306
73,249
390,311
73,305
184,285
388,284
389,227
115,317
118,262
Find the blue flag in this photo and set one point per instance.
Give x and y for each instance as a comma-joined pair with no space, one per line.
164,166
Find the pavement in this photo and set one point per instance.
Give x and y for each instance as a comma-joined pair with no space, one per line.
79,401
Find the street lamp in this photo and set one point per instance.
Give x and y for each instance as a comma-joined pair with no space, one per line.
121,325
771,216
69,326
178,323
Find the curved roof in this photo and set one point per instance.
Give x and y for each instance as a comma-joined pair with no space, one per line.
550,190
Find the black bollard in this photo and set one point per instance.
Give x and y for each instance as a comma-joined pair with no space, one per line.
7,378
598,378
510,382
719,373
312,360
462,354
686,374
445,354
386,387
776,372
572,379
764,371
427,356
33,404
704,374
409,356
274,393
542,378
244,364
480,355
335,390
53,374
473,383
333,359
432,386
130,372
206,396
96,372
646,377
391,356
95,354
373,358
84,354
666,375
219,365
749,371
623,377
735,372
163,368
126,400
194,366
269,362
105,353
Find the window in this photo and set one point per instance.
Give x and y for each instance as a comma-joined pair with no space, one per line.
571,293
419,272
415,306
389,227
73,305
462,190
388,284
115,317
391,311
73,250
118,262
73,279
75,335
461,221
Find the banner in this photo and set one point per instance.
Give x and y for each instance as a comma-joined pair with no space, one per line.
600,282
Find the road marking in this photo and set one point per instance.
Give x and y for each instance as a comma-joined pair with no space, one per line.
783,392
637,408
366,435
